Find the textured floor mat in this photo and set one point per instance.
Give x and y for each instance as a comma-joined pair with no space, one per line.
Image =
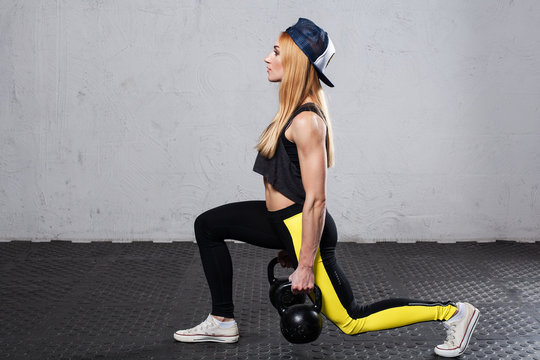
63,300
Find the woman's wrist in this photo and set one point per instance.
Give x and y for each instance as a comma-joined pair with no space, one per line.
305,266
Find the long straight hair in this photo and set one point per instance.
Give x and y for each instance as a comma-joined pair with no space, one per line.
299,81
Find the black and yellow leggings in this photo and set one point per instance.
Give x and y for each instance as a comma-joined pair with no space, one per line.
252,223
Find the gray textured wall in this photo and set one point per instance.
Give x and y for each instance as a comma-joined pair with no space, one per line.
125,119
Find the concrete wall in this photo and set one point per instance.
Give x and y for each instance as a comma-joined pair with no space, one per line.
125,119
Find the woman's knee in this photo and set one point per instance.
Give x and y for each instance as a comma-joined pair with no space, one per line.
203,226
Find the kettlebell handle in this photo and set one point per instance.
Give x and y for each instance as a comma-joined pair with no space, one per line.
271,265
317,305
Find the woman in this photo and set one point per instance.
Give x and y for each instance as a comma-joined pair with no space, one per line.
294,152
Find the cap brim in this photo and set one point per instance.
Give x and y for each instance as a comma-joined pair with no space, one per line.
323,78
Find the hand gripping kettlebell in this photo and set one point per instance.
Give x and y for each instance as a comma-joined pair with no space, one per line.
288,298
300,323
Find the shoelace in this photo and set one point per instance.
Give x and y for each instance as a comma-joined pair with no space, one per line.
450,333
208,323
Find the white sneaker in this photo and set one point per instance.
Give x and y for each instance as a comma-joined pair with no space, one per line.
459,331
208,330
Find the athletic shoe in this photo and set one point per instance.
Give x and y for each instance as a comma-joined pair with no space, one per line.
459,331
208,330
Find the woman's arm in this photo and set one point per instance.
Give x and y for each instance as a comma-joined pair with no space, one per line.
308,131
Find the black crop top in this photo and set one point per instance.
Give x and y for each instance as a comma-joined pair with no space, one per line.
282,171
290,148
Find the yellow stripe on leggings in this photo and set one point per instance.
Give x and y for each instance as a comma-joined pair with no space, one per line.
336,312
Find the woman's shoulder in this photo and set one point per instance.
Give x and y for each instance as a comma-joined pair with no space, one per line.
305,111
309,123
308,114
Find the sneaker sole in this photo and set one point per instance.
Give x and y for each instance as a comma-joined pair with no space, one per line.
206,338
466,338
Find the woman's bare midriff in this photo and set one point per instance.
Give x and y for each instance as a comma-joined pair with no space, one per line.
274,199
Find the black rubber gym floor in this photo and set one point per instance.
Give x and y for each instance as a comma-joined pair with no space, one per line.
63,300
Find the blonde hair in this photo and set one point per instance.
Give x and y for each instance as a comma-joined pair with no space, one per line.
299,81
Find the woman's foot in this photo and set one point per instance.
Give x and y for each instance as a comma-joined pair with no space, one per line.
210,330
459,330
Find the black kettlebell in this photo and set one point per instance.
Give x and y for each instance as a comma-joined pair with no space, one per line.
288,298
300,323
